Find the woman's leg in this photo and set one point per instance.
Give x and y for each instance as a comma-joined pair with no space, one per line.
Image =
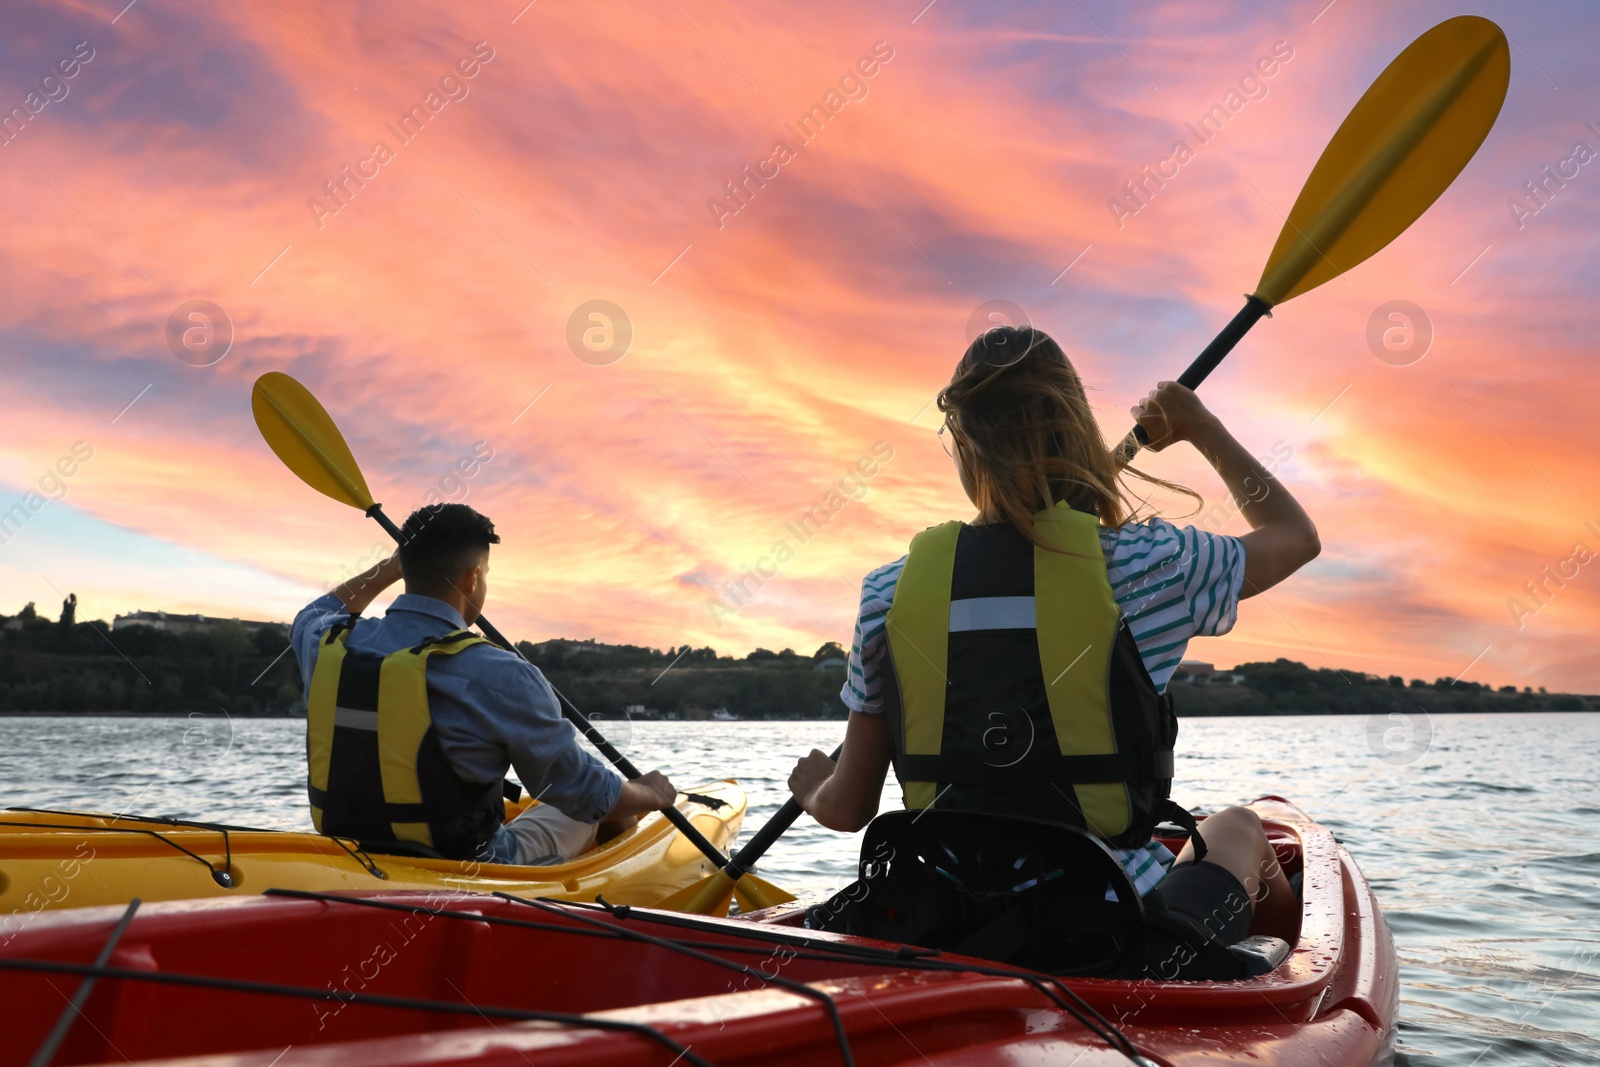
1236,842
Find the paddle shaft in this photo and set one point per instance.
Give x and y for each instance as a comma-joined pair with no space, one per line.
1206,362
581,721
748,856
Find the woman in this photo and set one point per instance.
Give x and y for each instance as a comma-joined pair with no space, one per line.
1056,612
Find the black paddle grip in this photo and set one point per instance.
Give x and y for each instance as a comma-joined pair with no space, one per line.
747,857
1206,362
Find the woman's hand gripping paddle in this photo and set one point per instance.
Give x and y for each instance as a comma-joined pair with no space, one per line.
1400,147
711,896
304,436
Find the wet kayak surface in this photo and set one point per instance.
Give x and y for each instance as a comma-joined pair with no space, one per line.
1478,832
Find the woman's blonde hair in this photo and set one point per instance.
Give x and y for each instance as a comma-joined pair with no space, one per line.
1026,438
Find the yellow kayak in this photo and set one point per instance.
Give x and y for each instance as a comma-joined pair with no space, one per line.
53,859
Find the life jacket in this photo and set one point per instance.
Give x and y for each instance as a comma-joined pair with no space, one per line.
1015,685
377,771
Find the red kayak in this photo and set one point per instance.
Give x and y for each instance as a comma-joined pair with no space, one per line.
414,978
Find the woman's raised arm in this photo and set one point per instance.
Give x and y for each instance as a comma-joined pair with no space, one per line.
1282,537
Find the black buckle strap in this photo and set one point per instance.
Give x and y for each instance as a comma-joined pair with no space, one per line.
444,639
338,628
1174,812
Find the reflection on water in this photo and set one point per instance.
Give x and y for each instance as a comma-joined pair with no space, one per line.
1476,831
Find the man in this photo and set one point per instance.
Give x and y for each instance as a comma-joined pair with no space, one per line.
412,722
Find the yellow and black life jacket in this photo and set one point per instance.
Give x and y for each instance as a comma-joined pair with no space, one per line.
1016,687
377,771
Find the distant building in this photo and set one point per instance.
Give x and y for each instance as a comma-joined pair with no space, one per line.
188,624
1193,670
566,646
830,663
637,712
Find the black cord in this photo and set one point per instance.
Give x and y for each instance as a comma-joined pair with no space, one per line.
1068,999
358,854
446,1007
1062,996
162,820
799,988
819,954
221,876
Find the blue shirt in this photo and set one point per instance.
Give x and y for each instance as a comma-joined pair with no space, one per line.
491,709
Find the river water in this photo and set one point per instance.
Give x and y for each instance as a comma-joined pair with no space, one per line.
1478,832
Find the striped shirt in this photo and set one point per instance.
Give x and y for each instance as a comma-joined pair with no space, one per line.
1172,583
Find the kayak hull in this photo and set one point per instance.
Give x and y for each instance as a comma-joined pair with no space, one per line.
652,987
60,860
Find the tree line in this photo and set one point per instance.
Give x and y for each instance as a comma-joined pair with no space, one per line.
1286,687
65,666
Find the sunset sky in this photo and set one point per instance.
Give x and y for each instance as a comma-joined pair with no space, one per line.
578,152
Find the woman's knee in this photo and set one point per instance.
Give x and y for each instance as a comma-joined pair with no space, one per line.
1238,828
1235,841
1238,819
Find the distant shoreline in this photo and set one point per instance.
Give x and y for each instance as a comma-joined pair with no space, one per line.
244,671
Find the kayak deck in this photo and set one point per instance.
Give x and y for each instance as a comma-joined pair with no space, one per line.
75,859
492,981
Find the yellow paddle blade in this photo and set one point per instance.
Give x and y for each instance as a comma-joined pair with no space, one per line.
1400,147
712,895
709,896
303,435
756,893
